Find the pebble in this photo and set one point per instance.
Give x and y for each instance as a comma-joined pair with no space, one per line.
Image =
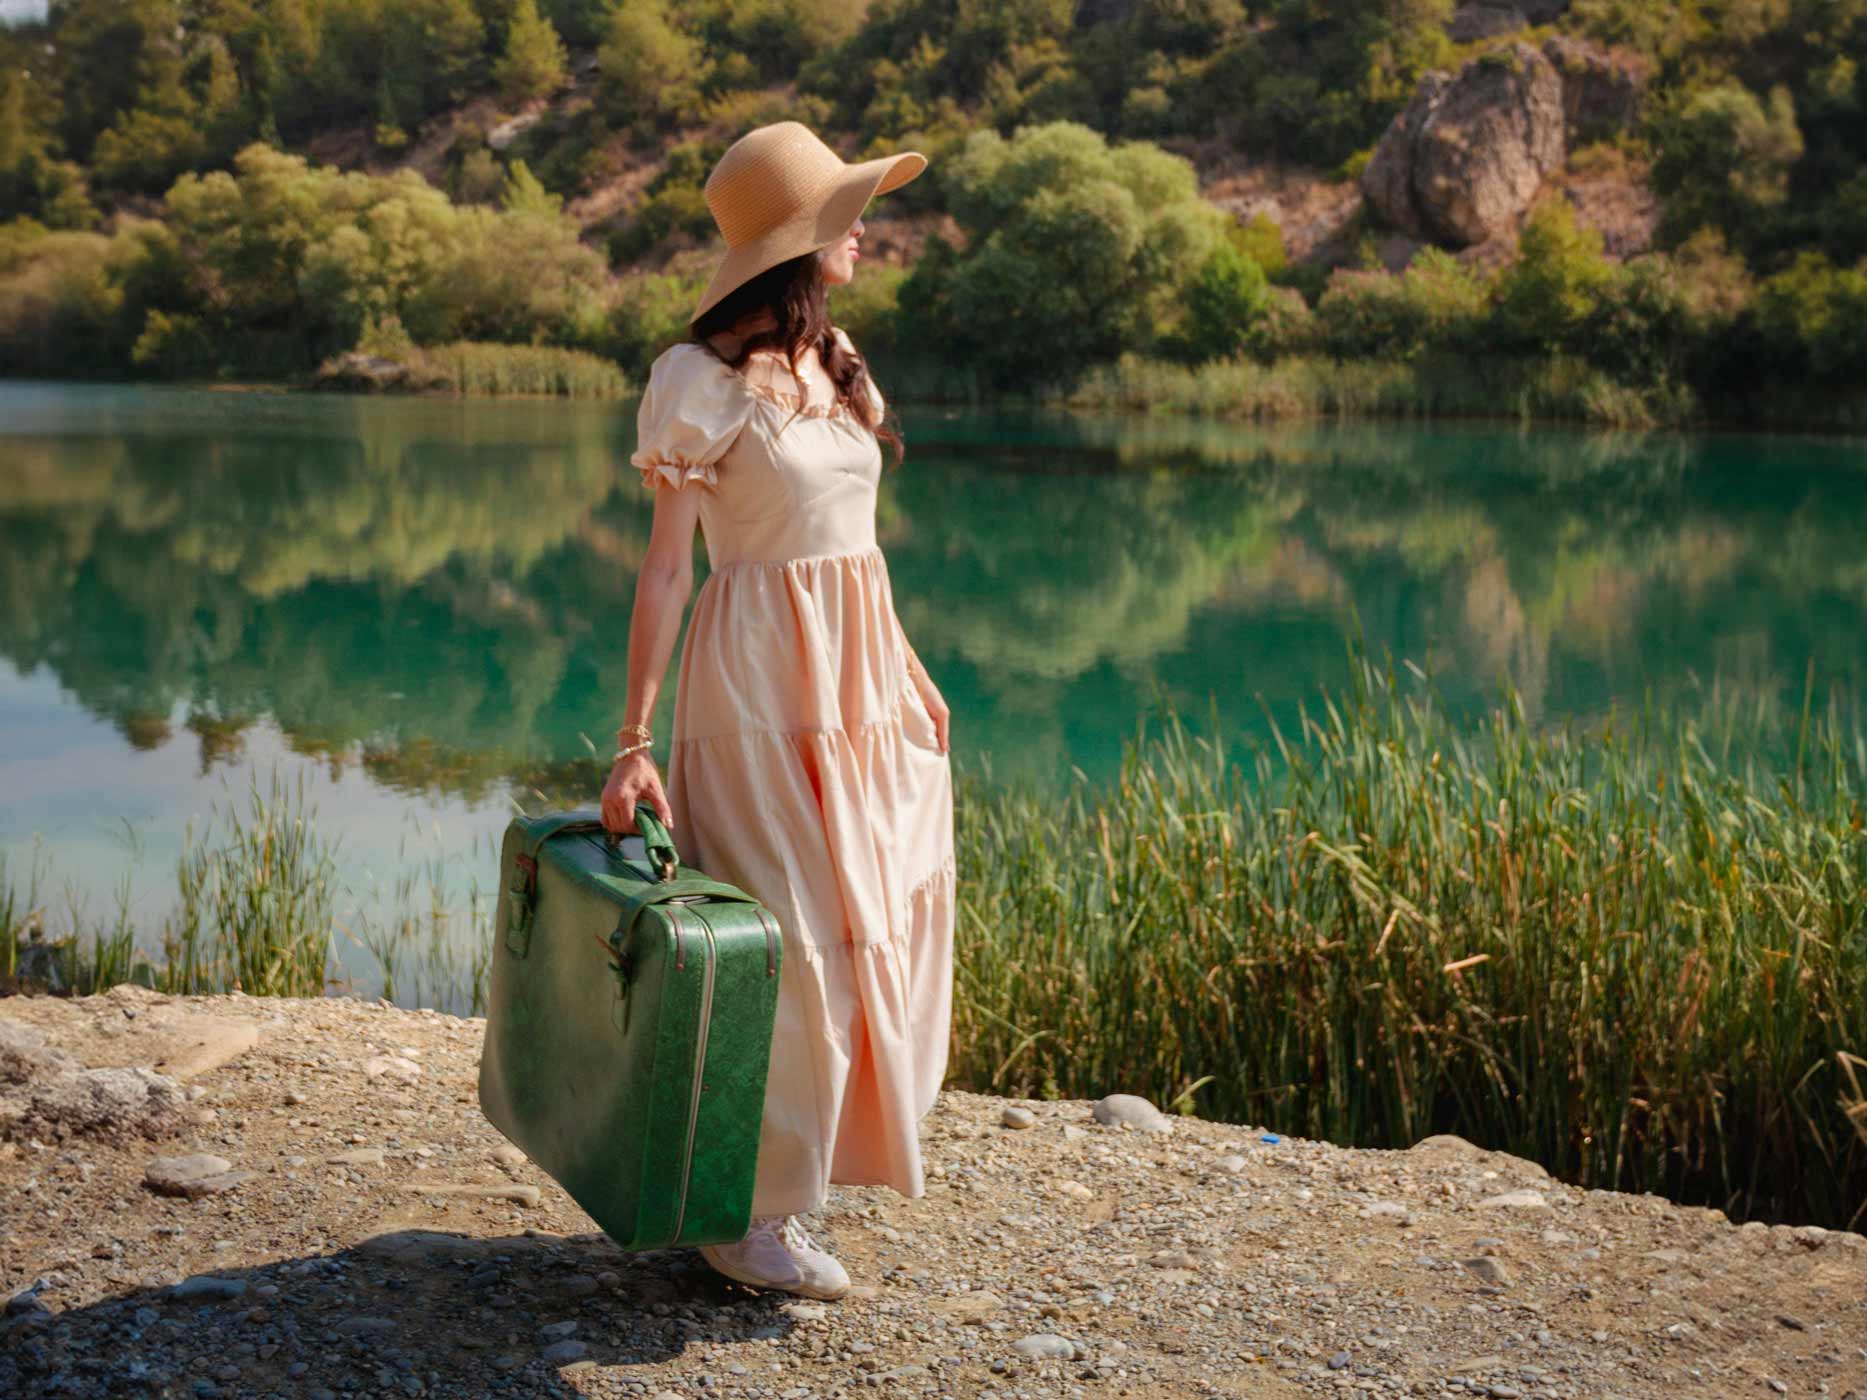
200,1174
1016,1117
1231,1163
1339,1360
1515,1200
1132,1110
555,1330
357,1157
1045,1346
1487,1270
562,1353
506,1155
391,1066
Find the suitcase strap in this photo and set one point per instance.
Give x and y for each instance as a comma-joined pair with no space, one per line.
523,891
637,898
681,888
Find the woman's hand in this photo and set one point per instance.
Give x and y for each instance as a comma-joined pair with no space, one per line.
634,780
936,706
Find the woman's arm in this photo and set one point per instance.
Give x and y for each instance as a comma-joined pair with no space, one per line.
662,586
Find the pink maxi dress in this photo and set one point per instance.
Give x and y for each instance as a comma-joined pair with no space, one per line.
805,767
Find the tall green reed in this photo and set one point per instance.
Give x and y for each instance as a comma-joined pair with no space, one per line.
1630,952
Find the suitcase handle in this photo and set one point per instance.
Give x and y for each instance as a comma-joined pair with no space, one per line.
657,841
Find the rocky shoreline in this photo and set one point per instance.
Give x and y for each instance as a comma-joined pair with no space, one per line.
349,1225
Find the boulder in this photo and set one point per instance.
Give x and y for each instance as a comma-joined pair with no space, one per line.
1463,161
110,1105
1602,89
1387,183
353,371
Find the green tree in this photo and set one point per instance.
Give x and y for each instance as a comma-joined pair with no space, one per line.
1547,295
1076,251
650,65
533,62
1815,313
1724,160
1225,303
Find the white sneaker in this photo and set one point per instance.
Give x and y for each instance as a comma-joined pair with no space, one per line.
777,1252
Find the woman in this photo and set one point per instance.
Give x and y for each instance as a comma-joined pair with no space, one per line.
809,763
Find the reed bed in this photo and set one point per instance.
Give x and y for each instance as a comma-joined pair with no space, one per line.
255,889
1431,386
260,908
483,369
1628,953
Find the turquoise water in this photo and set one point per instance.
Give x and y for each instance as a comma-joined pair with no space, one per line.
419,608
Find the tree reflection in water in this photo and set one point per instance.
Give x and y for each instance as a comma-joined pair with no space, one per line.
439,591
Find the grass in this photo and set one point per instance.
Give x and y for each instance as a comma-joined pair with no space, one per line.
1630,954
260,909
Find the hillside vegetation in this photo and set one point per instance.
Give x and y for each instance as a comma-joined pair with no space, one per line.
1605,209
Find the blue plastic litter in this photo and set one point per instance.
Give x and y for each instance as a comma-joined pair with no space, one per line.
1270,1137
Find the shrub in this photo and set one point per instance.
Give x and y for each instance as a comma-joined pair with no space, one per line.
1816,313
60,301
1435,303
1549,293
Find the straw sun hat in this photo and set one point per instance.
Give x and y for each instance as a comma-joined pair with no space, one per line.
779,192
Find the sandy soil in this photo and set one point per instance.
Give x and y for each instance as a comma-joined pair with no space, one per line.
368,1233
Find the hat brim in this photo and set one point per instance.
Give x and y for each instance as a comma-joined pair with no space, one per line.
828,220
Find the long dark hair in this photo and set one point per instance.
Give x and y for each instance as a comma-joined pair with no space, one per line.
793,292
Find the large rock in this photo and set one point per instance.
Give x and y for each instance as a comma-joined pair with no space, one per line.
1602,89
44,1093
1462,163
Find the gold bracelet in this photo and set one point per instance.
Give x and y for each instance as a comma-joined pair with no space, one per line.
641,729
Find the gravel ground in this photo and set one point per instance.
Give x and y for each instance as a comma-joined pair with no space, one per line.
364,1231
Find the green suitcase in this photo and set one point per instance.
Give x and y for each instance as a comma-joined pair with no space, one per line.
628,1027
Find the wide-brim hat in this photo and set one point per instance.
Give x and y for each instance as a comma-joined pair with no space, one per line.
779,192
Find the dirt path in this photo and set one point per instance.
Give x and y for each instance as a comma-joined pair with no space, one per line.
364,1234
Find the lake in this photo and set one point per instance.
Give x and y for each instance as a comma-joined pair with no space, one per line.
418,608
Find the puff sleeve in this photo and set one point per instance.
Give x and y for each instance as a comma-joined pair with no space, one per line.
691,411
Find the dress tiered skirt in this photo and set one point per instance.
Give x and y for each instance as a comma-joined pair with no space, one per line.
807,770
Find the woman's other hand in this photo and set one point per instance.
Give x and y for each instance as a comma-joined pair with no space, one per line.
632,781
936,706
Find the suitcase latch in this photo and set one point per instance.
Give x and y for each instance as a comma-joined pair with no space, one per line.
521,905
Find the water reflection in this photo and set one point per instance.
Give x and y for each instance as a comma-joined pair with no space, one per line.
438,593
